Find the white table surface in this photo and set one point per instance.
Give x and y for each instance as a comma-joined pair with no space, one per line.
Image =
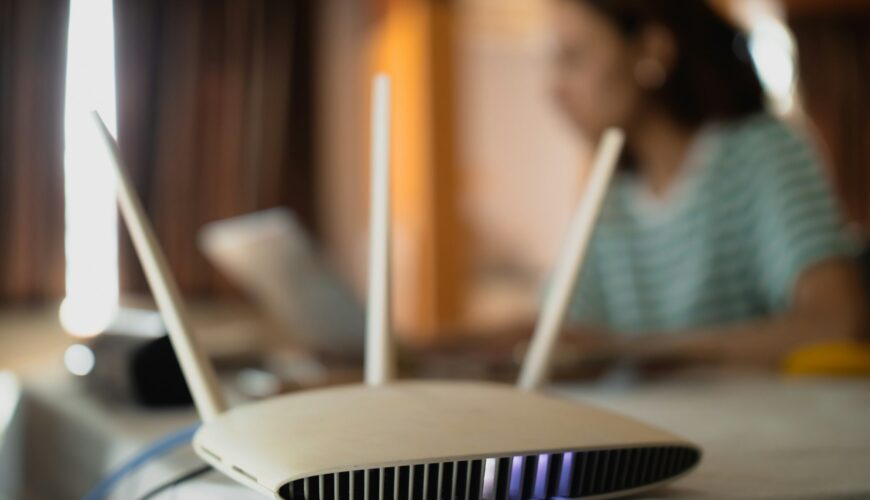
762,438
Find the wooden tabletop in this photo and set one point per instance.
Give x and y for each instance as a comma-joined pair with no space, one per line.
762,437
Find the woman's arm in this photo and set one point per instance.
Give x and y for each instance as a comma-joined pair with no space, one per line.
828,304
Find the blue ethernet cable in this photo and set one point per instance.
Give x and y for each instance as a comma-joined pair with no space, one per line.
161,447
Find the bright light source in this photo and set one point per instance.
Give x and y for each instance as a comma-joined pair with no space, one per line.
79,360
773,51
9,394
91,218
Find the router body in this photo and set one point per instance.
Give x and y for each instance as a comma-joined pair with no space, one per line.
391,440
438,440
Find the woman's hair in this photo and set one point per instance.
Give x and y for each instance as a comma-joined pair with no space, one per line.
713,77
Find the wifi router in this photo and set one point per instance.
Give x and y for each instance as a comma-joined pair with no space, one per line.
417,440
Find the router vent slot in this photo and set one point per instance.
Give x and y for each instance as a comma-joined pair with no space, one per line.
535,477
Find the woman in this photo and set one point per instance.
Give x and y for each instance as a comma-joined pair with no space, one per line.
720,238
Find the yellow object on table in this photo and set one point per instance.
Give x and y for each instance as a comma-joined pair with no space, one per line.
841,358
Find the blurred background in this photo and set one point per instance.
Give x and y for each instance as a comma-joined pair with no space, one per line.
225,108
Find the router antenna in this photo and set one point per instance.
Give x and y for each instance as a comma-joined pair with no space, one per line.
198,372
536,365
379,365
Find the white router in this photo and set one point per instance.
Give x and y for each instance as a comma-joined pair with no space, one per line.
417,440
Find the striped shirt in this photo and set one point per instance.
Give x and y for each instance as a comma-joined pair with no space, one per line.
751,212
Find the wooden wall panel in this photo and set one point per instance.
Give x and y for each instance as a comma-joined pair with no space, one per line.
32,75
834,60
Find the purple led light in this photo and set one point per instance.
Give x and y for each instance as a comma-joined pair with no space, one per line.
516,485
565,476
541,476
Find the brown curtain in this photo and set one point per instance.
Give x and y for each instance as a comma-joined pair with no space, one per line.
834,48
32,70
215,118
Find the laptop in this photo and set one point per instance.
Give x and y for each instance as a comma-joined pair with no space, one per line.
272,258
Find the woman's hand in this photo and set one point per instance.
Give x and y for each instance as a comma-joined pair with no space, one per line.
828,304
